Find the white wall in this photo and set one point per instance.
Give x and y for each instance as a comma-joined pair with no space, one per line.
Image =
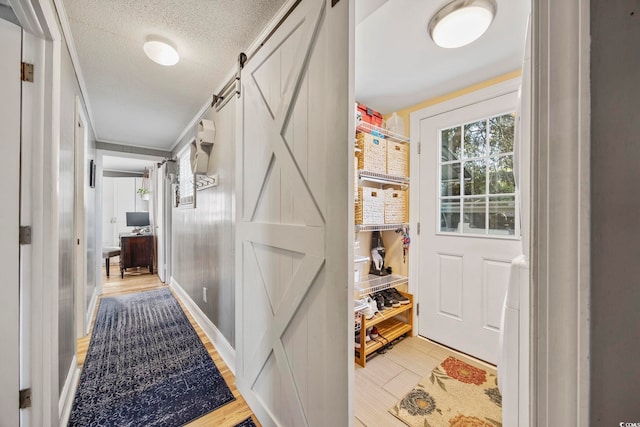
203,253
66,322
119,196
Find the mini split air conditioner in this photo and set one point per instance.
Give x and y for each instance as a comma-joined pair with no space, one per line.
202,146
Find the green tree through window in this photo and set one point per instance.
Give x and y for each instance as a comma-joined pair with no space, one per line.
477,185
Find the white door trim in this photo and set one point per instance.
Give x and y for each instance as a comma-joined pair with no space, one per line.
80,226
560,244
503,88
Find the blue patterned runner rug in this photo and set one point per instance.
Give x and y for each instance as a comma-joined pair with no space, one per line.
146,366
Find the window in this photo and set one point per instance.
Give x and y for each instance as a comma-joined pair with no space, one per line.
477,185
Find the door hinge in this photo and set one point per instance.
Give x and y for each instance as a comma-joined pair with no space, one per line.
24,235
25,398
26,72
418,227
417,309
419,147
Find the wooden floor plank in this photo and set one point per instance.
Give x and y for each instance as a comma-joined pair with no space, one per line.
140,281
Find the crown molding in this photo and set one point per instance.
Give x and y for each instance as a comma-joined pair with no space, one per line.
75,61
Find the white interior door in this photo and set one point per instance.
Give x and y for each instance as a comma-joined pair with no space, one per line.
293,215
10,52
468,217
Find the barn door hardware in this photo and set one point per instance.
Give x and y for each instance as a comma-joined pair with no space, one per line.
232,87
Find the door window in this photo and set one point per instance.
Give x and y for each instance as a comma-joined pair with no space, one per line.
477,185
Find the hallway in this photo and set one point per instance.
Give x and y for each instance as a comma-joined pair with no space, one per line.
227,415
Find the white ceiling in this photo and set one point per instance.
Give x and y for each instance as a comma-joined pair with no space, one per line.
134,101
398,65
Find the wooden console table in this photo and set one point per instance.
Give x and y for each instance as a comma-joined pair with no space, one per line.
136,251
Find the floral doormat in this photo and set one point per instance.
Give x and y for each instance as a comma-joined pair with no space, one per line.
456,394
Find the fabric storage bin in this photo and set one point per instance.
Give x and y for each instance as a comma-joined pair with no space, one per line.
370,206
372,156
397,159
368,115
395,206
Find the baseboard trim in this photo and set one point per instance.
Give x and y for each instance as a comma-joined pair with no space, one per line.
91,309
218,340
68,392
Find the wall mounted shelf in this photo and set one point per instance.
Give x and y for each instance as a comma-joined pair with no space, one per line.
379,227
382,179
378,131
372,283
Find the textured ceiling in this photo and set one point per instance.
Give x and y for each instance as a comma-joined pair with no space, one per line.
398,65
135,101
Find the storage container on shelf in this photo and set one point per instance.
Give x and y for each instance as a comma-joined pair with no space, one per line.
395,124
369,209
395,206
372,153
368,115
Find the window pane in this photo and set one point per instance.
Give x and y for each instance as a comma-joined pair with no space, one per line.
450,180
502,215
475,139
451,147
475,178
475,210
501,131
501,178
449,215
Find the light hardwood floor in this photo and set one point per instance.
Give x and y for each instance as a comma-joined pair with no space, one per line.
227,415
388,377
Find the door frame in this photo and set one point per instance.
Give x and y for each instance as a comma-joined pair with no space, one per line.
559,248
80,142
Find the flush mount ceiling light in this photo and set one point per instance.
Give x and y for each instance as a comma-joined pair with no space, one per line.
461,22
161,52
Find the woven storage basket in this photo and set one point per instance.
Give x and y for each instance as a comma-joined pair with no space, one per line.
397,159
395,206
372,156
370,206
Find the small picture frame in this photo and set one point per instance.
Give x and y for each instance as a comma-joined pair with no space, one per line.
92,174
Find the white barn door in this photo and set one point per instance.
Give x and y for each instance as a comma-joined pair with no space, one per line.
293,215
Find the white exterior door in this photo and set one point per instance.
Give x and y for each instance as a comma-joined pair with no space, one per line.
10,52
470,232
293,214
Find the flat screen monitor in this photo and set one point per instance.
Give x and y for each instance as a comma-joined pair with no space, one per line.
138,219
